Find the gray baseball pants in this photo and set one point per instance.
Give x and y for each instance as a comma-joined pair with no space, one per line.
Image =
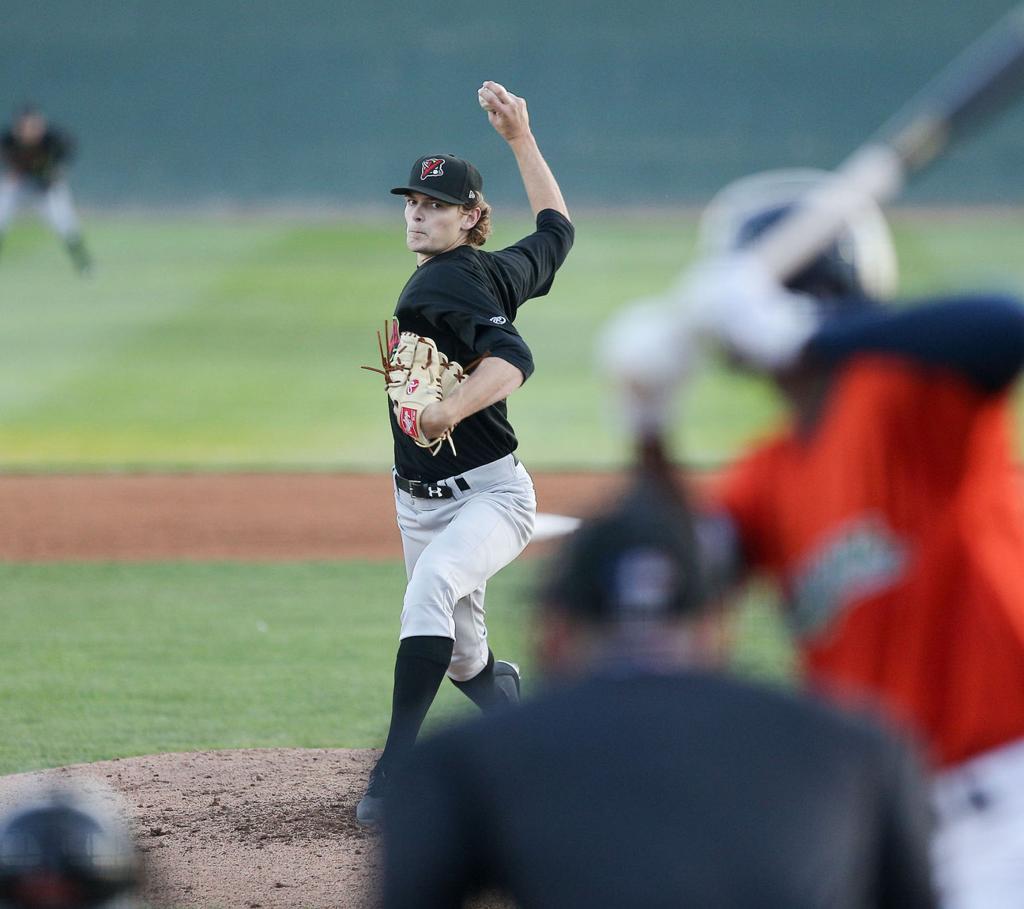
453,546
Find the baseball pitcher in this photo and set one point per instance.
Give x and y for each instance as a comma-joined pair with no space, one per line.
465,503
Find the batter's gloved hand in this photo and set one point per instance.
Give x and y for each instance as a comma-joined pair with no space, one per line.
648,353
651,347
736,304
416,375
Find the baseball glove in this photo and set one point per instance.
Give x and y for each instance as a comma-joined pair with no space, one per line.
416,375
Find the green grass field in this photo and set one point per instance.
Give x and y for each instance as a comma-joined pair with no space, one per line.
111,660
219,344
229,344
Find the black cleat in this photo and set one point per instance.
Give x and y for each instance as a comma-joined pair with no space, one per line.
370,810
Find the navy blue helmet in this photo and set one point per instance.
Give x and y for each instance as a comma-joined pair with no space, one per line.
860,264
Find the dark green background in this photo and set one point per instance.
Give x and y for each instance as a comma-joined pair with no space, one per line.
650,102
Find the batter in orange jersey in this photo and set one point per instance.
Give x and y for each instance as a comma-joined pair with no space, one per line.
896,528
889,510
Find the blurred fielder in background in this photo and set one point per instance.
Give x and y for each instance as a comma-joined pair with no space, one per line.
644,775
35,156
889,509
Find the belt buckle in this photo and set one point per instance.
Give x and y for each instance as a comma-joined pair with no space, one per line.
421,490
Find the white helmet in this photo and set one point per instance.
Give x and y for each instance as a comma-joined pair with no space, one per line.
860,263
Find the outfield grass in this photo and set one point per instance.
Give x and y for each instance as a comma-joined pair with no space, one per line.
236,343
113,660
228,344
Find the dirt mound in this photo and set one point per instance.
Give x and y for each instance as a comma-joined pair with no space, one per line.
251,829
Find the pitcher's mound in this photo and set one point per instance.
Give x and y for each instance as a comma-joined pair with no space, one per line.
253,829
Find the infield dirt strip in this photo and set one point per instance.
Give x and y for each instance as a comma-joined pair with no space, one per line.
254,829
250,517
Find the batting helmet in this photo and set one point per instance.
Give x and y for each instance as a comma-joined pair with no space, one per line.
65,852
859,264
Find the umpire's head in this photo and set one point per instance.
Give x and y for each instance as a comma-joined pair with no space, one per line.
627,587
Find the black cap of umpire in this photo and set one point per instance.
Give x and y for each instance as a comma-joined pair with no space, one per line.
636,562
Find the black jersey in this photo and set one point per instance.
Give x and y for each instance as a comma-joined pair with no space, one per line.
647,789
40,161
466,301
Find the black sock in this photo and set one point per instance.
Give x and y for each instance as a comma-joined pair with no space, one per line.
419,670
78,253
481,689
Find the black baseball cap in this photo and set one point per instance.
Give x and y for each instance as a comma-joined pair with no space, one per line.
446,178
637,561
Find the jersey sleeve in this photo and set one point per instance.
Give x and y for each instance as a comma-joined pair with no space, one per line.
980,338
64,147
7,147
486,338
462,306
741,493
529,266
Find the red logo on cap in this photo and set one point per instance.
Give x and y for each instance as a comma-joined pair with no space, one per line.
432,167
407,420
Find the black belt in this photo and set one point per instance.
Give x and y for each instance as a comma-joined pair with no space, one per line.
420,490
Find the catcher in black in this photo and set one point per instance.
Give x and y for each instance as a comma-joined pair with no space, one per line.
644,774
465,504
35,157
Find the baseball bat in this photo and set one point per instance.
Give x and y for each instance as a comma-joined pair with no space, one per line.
976,86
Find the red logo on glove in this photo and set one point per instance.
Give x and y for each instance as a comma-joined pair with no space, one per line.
432,167
407,422
410,389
